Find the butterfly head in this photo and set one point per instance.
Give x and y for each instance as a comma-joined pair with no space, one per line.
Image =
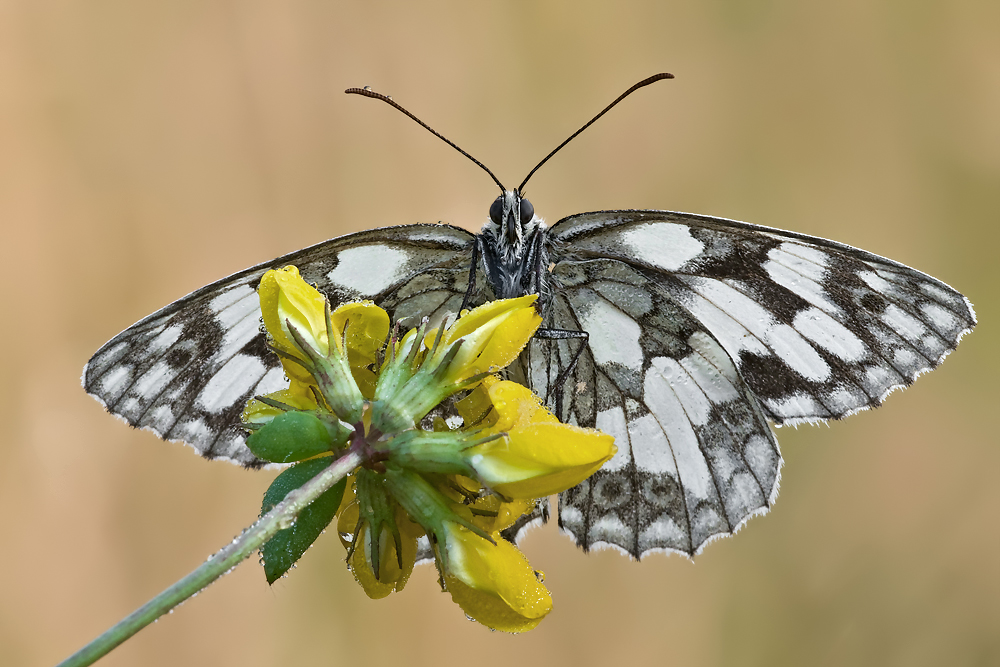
511,215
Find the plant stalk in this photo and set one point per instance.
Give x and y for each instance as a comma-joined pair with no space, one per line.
282,516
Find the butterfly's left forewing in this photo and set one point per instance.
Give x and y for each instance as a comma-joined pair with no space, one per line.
817,329
186,371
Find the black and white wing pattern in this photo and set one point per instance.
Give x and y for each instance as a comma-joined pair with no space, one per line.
186,371
701,329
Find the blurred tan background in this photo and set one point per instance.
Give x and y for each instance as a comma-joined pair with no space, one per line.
148,148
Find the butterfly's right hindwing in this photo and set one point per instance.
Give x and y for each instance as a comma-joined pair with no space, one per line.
186,371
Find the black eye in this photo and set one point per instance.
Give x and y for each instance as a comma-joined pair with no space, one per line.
496,210
527,211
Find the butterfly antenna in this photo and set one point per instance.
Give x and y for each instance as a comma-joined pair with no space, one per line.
641,84
368,92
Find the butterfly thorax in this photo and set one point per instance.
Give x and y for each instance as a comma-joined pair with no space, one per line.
513,248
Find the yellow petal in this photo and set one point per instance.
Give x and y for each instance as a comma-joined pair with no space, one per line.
286,298
508,339
541,459
476,409
480,316
367,328
493,584
298,395
539,456
493,336
516,407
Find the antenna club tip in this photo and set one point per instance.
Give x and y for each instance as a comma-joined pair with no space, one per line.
366,91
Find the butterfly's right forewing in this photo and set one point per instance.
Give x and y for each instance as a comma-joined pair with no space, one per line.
186,371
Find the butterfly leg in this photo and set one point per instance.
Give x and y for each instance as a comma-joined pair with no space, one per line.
564,334
471,288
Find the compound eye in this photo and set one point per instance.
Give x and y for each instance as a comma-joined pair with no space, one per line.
527,211
496,210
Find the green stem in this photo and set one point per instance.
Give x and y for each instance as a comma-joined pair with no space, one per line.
282,516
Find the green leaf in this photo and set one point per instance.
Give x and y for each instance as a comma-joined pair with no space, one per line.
292,436
288,545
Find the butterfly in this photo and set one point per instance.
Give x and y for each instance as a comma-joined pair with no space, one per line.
681,335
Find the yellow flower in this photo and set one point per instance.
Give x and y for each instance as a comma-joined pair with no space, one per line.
492,583
459,486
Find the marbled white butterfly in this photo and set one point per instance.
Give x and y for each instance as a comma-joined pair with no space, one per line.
681,335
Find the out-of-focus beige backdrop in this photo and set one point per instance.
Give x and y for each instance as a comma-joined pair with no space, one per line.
149,148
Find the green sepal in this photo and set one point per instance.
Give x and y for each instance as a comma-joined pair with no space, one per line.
295,436
287,546
378,510
439,452
427,506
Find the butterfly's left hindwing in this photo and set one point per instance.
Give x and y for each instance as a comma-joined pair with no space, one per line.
695,458
186,371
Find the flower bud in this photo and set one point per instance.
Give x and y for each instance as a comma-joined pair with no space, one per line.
301,330
439,452
286,299
492,582
394,567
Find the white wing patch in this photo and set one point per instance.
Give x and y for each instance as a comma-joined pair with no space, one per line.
829,334
116,379
155,379
903,323
231,383
613,423
165,339
233,305
369,270
615,335
241,321
648,443
665,246
776,337
799,275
